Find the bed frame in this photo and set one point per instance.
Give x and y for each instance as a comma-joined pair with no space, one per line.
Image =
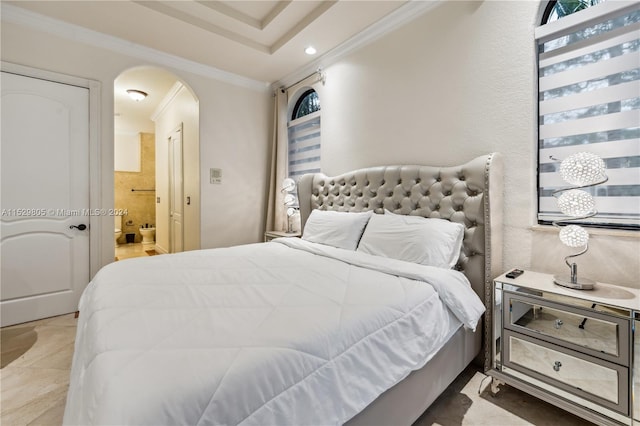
470,194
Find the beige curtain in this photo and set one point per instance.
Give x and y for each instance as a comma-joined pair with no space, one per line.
276,214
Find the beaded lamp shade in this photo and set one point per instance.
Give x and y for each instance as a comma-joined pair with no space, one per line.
576,203
288,185
574,236
583,169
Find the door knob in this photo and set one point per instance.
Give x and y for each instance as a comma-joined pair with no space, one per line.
80,227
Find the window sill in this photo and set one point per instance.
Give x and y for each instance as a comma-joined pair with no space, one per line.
592,231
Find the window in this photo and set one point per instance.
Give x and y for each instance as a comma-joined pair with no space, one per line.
589,100
304,135
307,103
559,9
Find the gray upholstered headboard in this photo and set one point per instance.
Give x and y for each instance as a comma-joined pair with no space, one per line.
470,194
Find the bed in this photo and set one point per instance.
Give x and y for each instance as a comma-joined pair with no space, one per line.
325,329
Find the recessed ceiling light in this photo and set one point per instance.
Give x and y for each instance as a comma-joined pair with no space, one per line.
136,95
310,50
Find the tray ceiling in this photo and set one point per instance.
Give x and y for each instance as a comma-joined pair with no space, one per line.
261,40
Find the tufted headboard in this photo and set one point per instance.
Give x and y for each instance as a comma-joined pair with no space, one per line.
470,194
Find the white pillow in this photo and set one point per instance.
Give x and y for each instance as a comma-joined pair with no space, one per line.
432,242
337,229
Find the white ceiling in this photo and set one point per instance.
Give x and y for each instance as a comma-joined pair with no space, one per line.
135,116
260,41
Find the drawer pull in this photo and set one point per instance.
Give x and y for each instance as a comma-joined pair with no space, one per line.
557,365
559,323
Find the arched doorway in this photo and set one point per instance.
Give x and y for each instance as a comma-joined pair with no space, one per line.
147,188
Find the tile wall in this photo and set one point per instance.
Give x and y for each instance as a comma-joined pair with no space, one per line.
139,205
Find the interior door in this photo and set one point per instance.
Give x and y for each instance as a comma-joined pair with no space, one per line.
44,235
176,192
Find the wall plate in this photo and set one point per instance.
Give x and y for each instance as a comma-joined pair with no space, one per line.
215,176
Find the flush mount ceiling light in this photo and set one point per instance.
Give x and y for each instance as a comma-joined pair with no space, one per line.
136,95
310,50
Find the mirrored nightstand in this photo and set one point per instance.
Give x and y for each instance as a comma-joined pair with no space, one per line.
572,348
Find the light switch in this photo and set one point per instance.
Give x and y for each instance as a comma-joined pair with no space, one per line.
215,176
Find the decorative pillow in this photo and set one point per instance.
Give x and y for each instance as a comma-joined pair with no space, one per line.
432,242
337,229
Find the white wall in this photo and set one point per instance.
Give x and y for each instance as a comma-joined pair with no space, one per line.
234,136
234,132
127,152
456,83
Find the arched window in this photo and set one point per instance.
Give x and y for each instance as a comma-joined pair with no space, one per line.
560,8
589,100
304,135
306,104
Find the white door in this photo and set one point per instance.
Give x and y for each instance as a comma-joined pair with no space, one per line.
176,190
45,198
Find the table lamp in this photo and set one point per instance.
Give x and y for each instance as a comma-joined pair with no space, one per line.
581,170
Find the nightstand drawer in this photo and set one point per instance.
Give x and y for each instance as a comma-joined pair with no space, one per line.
584,330
596,380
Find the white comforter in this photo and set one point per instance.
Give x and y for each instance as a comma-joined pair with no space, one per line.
287,332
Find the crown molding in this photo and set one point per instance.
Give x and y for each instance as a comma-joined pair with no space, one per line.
203,24
36,21
401,16
168,98
196,21
396,19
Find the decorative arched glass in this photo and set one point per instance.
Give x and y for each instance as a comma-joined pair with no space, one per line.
560,8
306,104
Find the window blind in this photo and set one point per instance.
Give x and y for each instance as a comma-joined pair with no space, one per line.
589,100
304,145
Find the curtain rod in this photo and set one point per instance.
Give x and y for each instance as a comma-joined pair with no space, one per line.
318,72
